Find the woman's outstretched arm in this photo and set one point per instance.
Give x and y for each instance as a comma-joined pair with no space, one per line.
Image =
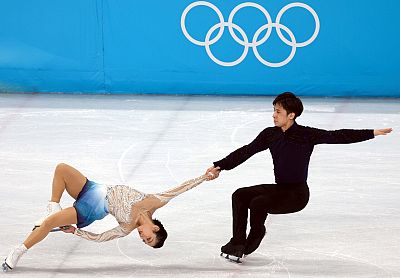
114,233
166,196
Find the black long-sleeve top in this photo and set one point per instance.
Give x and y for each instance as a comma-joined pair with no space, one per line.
291,150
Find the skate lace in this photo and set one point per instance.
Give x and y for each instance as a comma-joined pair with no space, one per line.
15,255
49,209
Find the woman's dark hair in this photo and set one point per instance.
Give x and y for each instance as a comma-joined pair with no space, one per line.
290,103
161,235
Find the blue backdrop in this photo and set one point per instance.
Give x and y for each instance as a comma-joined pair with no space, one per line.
125,46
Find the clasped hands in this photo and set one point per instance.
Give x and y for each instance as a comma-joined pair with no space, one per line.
212,173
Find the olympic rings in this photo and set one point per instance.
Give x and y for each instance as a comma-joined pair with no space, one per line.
207,45
245,41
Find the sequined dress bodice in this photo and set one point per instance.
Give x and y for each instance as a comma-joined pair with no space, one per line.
120,200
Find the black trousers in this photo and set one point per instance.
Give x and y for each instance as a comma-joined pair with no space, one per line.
261,200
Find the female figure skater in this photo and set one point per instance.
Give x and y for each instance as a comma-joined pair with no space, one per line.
131,208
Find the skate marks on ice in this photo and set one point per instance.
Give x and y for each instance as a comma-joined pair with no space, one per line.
309,264
295,262
186,257
200,257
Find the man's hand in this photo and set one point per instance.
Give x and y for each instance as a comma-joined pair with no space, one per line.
212,173
384,131
68,229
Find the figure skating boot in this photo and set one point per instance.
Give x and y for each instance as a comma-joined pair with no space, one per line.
232,252
12,259
52,207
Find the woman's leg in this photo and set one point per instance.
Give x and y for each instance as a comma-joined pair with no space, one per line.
61,218
66,178
64,217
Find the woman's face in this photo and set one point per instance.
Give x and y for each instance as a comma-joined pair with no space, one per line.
147,232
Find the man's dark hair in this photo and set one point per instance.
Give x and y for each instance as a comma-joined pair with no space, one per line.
161,235
290,103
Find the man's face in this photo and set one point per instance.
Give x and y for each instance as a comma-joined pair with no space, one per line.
147,233
281,117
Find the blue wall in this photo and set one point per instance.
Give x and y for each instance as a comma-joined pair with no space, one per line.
108,46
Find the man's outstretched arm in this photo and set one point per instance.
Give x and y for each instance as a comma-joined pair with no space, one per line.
237,157
345,136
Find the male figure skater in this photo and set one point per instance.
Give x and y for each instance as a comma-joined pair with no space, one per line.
291,146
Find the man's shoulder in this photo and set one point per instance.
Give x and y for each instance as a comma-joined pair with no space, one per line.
269,131
305,128
304,132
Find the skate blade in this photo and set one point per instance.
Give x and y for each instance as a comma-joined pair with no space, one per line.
62,228
5,267
231,258
52,230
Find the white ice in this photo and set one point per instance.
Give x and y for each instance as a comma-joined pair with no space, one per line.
350,228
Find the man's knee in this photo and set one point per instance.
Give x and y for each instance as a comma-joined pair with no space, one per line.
259,203
239,193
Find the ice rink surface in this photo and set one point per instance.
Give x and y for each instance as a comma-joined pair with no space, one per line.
350,228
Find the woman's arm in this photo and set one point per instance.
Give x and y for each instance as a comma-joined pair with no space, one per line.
166,196
114,233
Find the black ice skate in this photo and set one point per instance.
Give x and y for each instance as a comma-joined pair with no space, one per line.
253,241
232,252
